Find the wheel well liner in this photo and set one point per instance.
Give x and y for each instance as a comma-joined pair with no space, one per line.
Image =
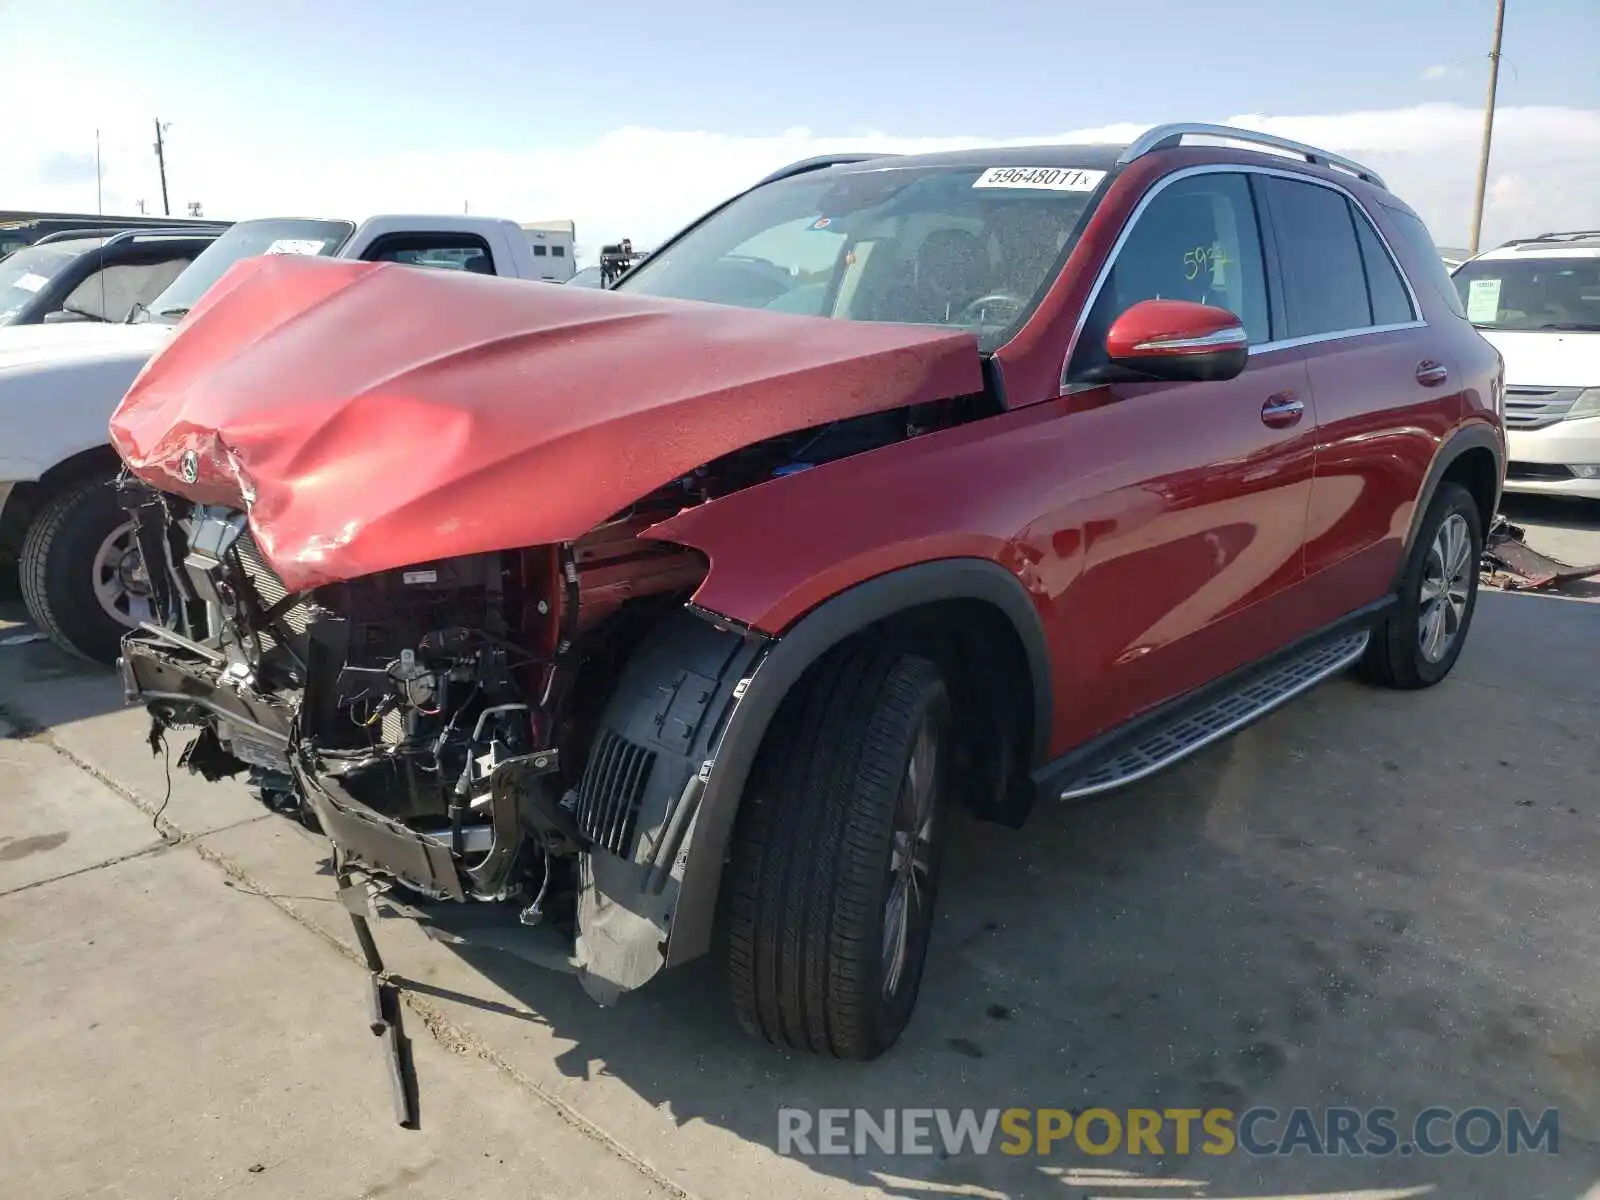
781,667
26,498
1474,457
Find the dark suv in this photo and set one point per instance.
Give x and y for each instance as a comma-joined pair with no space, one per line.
94,275
626,611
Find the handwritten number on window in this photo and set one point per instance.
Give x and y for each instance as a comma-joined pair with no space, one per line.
1213,258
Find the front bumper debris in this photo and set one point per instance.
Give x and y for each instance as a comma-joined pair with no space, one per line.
1510,563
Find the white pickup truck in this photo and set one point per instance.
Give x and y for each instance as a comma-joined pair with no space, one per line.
81,574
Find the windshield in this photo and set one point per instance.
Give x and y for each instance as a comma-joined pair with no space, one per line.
1532,293
243,240
25,274
958,246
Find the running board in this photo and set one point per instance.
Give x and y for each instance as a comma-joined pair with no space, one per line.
1194,729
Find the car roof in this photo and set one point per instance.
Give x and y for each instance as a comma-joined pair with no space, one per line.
1578,243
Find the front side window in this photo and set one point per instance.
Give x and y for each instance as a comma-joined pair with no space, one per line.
1528,293
1196,240
965,247
244,240
1325,287
25,274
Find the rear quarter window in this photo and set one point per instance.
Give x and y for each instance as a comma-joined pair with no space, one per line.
1428,260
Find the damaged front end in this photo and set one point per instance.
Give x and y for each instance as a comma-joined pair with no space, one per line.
491,728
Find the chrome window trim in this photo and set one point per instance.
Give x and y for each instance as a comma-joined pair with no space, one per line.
1312,339
1261,347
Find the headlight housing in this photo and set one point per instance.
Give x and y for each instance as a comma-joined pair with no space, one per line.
1586,405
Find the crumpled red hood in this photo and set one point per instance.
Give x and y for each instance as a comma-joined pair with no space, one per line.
372,415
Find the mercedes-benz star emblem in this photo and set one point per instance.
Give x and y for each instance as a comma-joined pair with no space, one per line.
189,466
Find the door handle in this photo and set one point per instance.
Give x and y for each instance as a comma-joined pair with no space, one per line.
1282,410
1430,373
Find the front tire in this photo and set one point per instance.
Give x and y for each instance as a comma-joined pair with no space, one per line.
835,868
82,580
1419,639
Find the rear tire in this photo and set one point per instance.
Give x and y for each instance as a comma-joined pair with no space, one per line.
1418,641
845,813
71,547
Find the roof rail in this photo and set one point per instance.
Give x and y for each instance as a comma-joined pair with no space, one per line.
816,163
1561,235
1164,137
128,235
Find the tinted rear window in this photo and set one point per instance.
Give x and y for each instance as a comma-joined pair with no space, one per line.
1432,266
1325,287
1390,303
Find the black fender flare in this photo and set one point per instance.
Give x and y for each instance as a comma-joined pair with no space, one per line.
1477,436
781,667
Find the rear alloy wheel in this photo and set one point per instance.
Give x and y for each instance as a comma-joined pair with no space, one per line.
830,894
83,578
1421,636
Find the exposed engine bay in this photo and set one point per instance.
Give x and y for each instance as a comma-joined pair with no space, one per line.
526,727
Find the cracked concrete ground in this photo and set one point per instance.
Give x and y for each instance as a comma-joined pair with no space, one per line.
1370,899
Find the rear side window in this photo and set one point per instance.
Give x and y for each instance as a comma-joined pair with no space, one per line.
110,294
1420,241
1325,286
1391,305
441,251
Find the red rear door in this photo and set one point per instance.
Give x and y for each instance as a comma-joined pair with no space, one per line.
1384,397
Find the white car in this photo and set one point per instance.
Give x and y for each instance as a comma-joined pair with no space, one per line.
1537,301
82,576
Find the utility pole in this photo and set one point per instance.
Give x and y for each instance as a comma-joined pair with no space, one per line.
161,162
1488,123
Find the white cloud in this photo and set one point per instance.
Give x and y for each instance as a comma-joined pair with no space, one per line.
645,182
1435,73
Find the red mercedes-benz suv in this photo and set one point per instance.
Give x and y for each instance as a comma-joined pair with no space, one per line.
891,484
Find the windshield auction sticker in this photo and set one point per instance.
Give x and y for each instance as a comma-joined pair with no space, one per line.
30,282
1483,300
295,246
1049,179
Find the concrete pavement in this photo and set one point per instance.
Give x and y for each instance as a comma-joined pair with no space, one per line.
1370,899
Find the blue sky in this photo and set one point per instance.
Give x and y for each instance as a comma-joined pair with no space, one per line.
513,70
306,91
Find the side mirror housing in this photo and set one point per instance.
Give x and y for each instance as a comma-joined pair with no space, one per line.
1177,340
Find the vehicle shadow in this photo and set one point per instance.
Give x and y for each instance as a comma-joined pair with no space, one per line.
1277,923
41,686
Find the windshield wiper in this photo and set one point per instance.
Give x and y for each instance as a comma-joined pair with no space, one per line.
1576,326
85,314
181,311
